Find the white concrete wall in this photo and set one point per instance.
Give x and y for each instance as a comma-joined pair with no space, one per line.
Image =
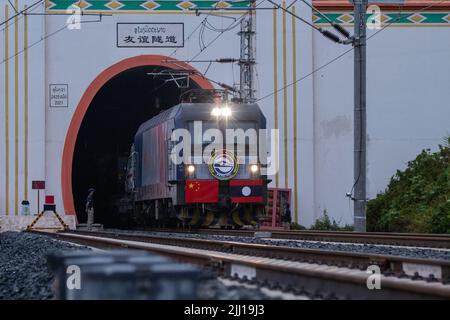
77,57
303,138
407,98
36,108
407,109
83,64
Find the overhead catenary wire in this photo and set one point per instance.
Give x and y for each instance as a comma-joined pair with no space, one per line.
18,19
29,11
231,26
20,12
192,59
195,29
13,6
349,50
344,54
205,46
335,25
48,36
189,72
404,17
213,28
292,3
325,33
278,6
341,56
350,194
219,60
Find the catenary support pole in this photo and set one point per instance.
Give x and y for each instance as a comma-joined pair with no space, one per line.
360,7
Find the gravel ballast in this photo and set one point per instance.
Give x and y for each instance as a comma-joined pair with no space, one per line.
24,274
424,253
23,265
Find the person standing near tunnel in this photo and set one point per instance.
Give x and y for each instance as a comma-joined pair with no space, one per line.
90,207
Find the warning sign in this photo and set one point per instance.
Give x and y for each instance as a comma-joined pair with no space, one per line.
59,95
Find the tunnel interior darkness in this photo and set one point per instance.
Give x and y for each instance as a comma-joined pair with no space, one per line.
106,135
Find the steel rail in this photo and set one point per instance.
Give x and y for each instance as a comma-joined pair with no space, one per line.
433,269
380,238
340,282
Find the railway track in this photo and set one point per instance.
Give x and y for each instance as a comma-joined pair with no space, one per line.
335,274
380,238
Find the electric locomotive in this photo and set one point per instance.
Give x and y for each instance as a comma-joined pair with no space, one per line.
200,164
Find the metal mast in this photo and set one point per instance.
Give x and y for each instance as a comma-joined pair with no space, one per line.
247,56
360,7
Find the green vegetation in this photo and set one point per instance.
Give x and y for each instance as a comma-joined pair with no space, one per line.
296,226
416,199
324,223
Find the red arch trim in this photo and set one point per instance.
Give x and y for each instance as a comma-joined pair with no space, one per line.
86,99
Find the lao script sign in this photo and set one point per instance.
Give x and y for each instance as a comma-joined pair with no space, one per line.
152,35
59,95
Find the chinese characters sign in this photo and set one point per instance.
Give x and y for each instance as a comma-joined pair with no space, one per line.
150,35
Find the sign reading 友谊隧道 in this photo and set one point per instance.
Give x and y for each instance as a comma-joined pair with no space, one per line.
154,35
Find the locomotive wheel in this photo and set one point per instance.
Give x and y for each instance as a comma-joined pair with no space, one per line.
251,215
210,218
196,218
223,219
236,217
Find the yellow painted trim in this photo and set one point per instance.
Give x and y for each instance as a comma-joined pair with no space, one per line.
294,113
285,131
275,89
16,113
25,105
6,115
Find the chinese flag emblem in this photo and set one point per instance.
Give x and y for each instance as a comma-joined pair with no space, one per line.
201,191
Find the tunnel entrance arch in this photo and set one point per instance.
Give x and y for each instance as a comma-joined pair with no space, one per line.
103,125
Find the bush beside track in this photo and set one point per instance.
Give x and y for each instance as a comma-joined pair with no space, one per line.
416,199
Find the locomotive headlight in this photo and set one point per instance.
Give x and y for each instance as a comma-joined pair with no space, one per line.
221,111
190,168
226,111
216,112
254,168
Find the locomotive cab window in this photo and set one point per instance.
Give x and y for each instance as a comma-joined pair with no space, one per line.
248,128
248,142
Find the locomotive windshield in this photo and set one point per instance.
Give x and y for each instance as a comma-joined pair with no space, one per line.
245,128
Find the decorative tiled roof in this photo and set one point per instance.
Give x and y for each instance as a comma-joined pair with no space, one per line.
144,5
408,5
